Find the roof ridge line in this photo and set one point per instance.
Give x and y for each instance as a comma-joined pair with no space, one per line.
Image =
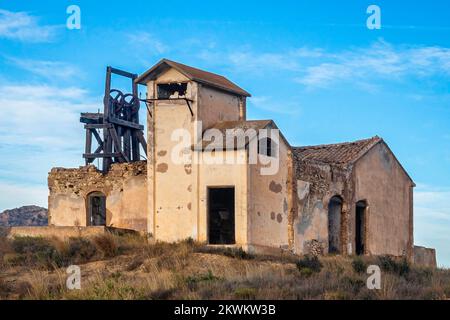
318,146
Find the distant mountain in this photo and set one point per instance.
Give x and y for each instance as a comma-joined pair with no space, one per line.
24,216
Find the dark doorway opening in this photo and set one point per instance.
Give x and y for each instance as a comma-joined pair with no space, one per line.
97,209
360,229
221,215
334,224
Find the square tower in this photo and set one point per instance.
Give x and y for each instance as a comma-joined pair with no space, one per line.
182,101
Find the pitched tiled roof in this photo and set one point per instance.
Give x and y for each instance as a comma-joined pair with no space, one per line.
231,127
339,153
193,74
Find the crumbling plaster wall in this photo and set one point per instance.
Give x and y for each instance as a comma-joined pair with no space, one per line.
270,202
380,180
125,188
171,215
216,105
173,188
224,175
425,257
317,183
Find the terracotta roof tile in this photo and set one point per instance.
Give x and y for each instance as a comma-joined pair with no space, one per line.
194,74
339,153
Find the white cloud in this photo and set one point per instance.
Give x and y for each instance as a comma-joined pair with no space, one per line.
247,60
317,67
379,61
23,27
16,195
267,104
147,41
432,220
40,115
47,69
40,130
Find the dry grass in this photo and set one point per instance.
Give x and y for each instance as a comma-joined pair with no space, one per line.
128,267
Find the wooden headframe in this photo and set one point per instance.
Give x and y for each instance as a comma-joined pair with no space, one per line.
122,133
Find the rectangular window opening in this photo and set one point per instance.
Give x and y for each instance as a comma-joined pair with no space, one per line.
171,90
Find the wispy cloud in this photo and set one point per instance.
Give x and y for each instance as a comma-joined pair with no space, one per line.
24,27
41,130
47,69
268,104
312,67
248,60
432,220
146,47
16,195
41,115
379,61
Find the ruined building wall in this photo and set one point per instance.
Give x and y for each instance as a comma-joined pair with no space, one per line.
125,188
173,217
379,179
174,188
316,184
224,175
270,203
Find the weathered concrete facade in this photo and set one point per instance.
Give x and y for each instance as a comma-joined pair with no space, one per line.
343,198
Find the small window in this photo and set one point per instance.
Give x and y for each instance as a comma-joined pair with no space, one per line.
171,90
267,147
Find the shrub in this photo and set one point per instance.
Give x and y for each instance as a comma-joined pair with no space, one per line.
81,250
238,253
306,272
205,277
37,251
390,264
107,244
358,265
336,295
353,285
422,276
309,262
245,293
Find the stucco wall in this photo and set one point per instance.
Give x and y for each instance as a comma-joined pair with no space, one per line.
380,180
170,202
125,188
269,203
174,189
215,105
224,175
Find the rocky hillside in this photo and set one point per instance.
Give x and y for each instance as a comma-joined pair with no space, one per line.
24,216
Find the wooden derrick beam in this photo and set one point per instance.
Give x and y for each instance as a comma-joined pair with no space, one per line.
141,139
122,134
88,146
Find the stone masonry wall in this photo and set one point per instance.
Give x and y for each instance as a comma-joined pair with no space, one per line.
125,188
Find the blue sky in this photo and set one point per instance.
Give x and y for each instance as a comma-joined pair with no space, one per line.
312,66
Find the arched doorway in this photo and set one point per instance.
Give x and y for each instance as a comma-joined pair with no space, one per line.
96,207
334,224
360,227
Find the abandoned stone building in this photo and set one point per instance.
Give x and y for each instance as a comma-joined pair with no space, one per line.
348,198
